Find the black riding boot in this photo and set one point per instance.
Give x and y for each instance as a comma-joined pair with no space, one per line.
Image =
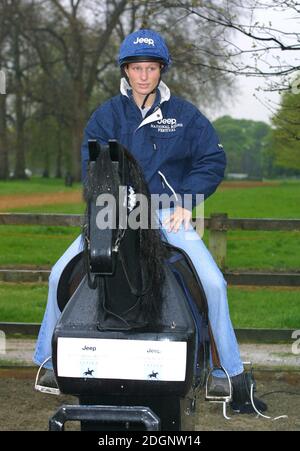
241,389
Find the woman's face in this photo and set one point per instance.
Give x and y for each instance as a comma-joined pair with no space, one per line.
143,77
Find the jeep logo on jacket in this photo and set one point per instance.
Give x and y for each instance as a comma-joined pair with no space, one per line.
167,125
175,144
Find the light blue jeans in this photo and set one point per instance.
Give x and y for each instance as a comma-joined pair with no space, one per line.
212,279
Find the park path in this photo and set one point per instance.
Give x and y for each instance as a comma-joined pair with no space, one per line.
264,356
11,201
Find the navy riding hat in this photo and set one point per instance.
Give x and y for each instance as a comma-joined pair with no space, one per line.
144,45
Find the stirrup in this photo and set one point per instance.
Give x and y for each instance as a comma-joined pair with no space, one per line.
219,399
43,388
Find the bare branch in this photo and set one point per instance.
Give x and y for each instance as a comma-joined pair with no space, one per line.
102,42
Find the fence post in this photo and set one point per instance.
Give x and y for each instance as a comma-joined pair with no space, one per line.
218,238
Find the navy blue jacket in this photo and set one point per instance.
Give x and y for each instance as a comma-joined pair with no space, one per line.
175,145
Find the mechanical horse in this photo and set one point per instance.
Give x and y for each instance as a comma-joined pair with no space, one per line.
132,342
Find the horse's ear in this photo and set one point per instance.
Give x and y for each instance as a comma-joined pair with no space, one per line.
114,150
94,149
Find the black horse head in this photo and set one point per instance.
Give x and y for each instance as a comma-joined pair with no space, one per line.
132,286
122,262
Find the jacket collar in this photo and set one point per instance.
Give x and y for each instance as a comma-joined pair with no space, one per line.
162,96
165,93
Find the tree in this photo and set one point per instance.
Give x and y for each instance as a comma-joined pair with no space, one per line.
66,30
192,75
245,144
17,60
62,59
240,17
285,135
20,117
88,49
4,170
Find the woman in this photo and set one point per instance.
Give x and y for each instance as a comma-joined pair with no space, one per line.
180,155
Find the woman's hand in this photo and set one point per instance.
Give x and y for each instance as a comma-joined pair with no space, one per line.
180,215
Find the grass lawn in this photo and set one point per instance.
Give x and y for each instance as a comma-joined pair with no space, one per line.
264,307
277,251
274,201
22,302
36,185
34,245
42,245
249,307
67,209
246,249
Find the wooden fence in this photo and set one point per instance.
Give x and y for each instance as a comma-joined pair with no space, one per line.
218,226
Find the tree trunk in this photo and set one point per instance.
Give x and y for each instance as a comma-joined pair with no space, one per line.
77,134
80,117
20,119
4,170
58,162
20,144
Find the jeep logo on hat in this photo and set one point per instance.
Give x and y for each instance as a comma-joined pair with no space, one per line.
144,40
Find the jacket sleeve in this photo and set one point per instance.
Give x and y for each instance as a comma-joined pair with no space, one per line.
208,161
95,129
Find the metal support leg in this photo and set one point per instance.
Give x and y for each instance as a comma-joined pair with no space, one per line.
112,414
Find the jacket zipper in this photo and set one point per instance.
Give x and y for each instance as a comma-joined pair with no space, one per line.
168,184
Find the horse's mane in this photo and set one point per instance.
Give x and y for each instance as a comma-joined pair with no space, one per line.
103,178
